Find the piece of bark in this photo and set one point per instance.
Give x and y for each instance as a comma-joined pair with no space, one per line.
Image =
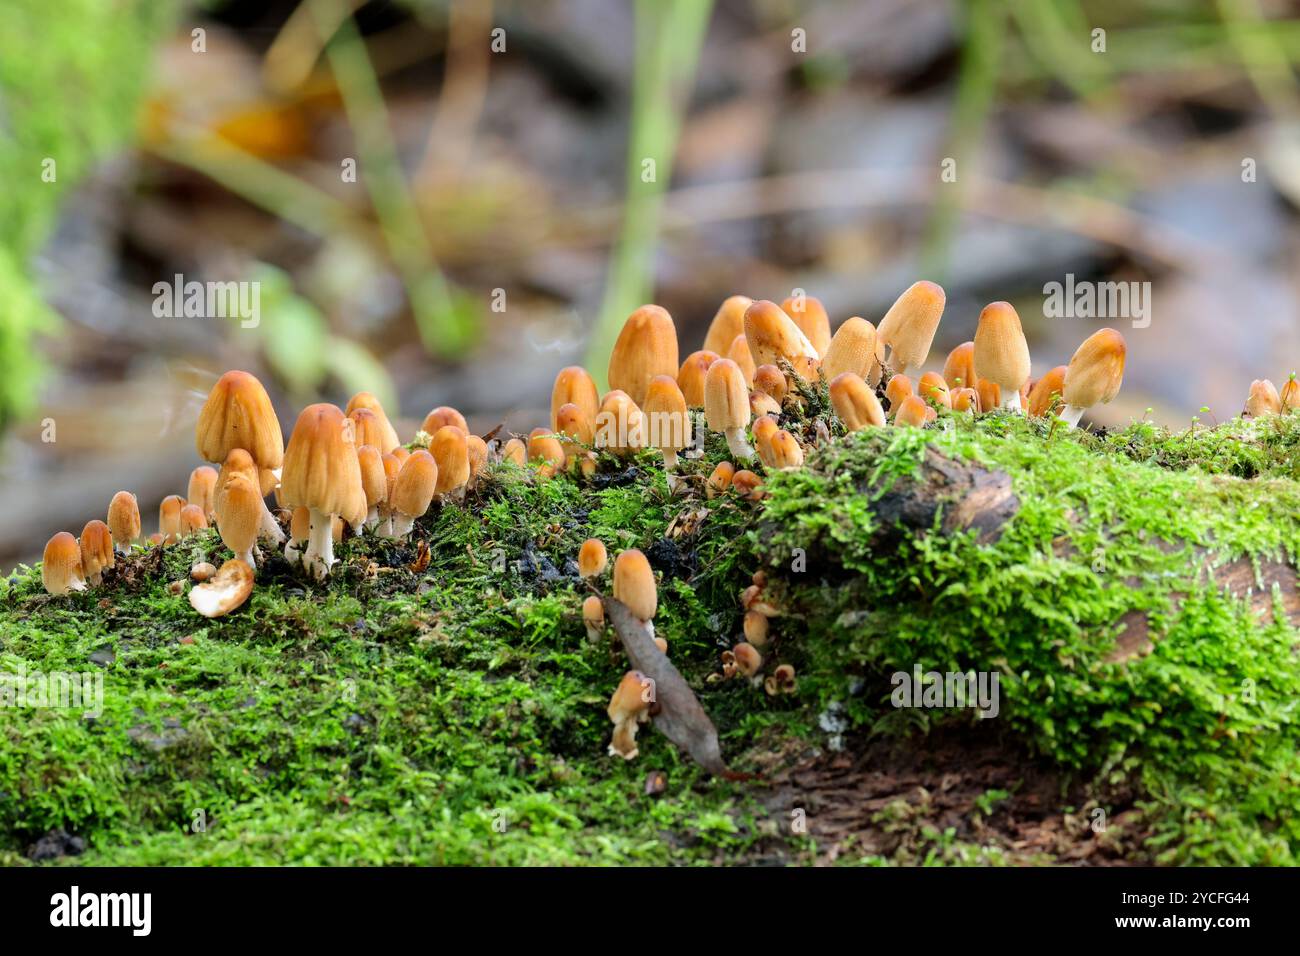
679,716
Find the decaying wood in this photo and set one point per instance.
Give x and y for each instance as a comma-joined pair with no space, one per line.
966,495
677,713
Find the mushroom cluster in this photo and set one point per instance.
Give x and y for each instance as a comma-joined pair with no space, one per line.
762,367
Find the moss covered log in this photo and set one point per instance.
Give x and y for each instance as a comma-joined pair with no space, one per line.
438,701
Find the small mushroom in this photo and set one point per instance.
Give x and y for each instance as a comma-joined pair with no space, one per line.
1046,392
965,400
899,388
1263,400
477,450
728,322
634,585
1094,375
629,708
228,589
96,544
786,451
514,451
388,435
202,489
764,428
761,403
854,348
914,412
690,377
241,462
1290,394
748,485
726,405
756,627
1001,352
740,354
667,422
374,482
124,520
441,416
592,558
574,386
412,492
771,381
322,473
593,616
545,450
959,367
238,516
202,571
450,450
809,314
855,402
720,479
169,518
619,424
749,660
61,570
578,428
934,390
193,519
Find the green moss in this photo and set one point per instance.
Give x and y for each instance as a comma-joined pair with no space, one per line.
455,712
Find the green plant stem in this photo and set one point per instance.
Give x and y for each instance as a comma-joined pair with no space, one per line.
669,35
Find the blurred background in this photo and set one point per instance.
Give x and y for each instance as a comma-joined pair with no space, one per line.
445,201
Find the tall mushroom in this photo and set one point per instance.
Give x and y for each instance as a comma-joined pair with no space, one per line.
646,347
239,414
169,518
1001,352
726,405
322,473
1094,375
908,327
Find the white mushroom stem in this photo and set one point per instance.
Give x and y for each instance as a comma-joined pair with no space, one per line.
736,442
319,556
1011,399
248,557
401,525
269,528
594,631
1071,414
372,518
95,579
670,459
293,553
